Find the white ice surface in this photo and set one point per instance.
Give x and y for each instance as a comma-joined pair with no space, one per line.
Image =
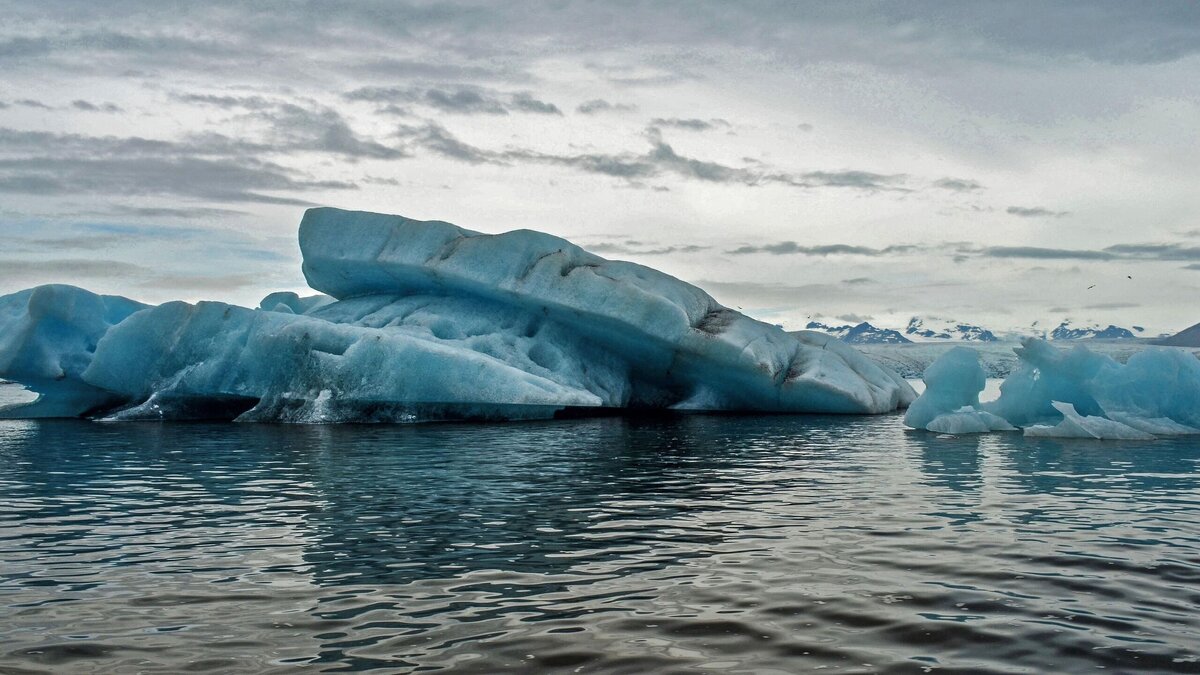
1074,425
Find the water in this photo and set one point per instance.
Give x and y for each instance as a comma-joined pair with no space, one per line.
707,544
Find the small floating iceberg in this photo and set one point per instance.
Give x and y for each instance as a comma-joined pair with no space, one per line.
1065,394
950,404
424,320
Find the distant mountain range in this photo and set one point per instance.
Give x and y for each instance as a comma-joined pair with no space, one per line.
1064,331
932,329
861,334
938,329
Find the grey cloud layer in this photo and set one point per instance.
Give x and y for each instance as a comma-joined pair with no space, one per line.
209,167
659,160
792,248
1131,252
1103,31
599,105
692,124
1035,212
1166,252
462,100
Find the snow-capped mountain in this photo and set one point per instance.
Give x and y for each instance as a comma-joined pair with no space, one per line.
1065,331
861,334
933,328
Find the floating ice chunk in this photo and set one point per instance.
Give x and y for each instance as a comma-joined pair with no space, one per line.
1075,425
952,382
47,337
426,320
1156,392
669,331
968,420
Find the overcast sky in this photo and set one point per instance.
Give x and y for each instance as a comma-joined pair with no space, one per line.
987,162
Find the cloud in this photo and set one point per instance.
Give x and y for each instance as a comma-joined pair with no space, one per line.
637,248
29,272
206,283
466,101
527,103
859,281
792,248
321,129
692,124
185,213
435,138
463,100
226,101
1035,212
437,70
659,160
88,106
863,180
1156,251
301,125
958,185
1039,253
599,105
1193,266
214,180
1161,252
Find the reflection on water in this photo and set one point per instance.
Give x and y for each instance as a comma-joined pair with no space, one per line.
740,544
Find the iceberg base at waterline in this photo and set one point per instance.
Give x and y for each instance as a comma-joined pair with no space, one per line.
1072,393
424,320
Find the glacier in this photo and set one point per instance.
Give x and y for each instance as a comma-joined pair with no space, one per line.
424,320
1075,393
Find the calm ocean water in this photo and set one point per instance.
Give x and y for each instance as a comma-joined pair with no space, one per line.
690,544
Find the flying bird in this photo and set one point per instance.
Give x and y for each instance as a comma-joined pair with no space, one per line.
1091,287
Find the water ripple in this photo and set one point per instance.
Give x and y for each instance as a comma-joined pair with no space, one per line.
733,544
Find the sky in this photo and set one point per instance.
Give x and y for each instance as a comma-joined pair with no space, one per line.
997,163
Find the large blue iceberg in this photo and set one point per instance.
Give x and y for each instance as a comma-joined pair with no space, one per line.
1074,393
424,320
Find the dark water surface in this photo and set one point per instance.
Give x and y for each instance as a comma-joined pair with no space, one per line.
692,544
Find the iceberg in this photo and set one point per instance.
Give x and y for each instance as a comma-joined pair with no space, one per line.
425,320
48,336
1074,393
950,404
